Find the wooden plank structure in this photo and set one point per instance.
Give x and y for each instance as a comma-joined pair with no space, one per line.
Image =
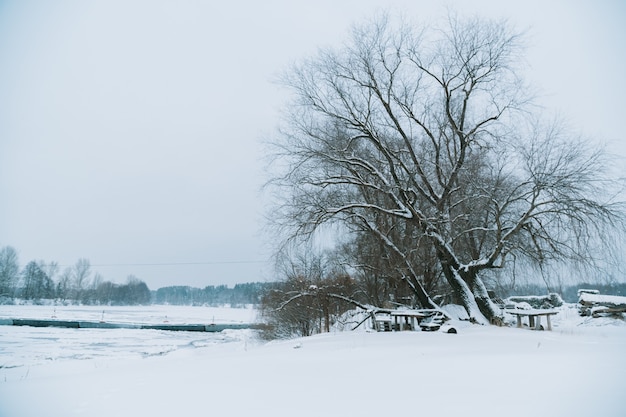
591,303
534,317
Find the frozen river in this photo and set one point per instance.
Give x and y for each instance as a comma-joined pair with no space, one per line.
22,346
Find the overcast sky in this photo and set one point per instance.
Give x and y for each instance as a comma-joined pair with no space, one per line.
131,131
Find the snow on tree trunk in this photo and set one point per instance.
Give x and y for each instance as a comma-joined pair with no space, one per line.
481,296
464,294
459,283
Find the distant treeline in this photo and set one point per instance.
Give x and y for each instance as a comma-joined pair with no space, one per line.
240,294
37,286
45,282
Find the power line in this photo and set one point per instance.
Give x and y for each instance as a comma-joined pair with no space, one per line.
168,263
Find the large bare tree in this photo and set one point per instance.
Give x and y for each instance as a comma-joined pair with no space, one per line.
433,129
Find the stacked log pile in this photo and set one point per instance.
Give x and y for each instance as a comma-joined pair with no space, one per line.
596,305
551,300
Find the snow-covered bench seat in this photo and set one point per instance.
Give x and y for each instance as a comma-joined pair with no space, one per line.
534,317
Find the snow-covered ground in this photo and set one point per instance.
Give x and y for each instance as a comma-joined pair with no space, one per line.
576,370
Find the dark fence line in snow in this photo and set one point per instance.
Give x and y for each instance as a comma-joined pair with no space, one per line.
75,324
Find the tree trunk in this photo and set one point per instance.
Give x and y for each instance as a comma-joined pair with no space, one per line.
464,294
487,307
467,286
421,294
326,315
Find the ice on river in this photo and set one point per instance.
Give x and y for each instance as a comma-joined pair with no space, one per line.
24,346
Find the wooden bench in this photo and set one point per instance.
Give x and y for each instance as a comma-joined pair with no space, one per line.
399,320
407,319
534,317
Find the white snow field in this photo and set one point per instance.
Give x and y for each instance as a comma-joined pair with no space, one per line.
576,370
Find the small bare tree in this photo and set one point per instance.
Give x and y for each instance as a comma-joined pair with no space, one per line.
36,283
433,129
309,299
9,271
80,277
